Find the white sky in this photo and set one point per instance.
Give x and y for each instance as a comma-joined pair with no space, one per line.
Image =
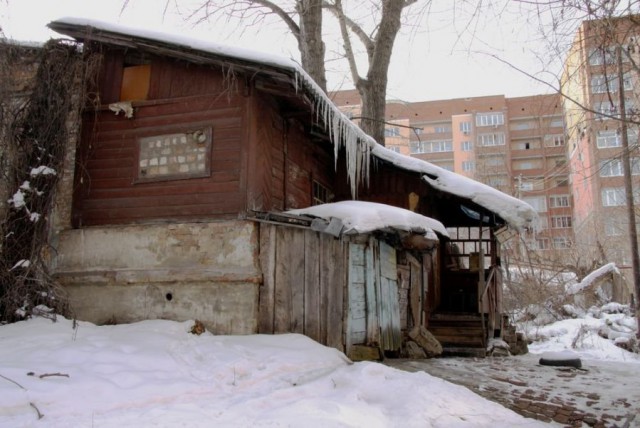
437,58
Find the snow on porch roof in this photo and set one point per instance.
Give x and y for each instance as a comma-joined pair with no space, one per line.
365,217
343,133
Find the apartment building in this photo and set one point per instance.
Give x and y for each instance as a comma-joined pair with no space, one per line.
595,85
516,145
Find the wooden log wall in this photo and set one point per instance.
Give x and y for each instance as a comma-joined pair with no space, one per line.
107,191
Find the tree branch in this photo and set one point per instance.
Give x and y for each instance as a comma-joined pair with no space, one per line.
351,25
353,66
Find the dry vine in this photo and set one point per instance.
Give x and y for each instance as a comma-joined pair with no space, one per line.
33,139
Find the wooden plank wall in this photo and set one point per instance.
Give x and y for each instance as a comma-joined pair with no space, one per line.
303,289
357,314
105,176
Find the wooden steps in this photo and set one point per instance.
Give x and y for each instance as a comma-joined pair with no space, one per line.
459,334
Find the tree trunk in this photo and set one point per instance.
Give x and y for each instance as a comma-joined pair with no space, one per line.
310,41
373,89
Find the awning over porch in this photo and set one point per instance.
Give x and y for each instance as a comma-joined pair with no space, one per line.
359,217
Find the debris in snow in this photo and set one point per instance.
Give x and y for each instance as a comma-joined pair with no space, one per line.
34,217
123,107
572,311
21,264
197,328
593,276
498,348
616,308
17,200
561,359
42,310
42,170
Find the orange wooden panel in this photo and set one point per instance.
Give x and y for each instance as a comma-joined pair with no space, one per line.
135,82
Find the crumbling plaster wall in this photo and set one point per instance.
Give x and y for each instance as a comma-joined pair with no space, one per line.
204,271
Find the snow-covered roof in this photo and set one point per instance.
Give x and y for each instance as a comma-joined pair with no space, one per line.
364,217
359,147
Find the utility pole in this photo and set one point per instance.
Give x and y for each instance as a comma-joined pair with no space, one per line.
626,164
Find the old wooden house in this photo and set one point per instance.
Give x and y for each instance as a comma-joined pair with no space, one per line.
195,175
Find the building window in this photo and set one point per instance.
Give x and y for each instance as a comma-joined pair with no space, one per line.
543,223
321,194
555,140
135,82
527,164
561,222
521,126
604,55
539,203
612,227
394,148
467,146
601,84
468,166
497,181
556,123
526,186
542,244
445,165
465,127
606,110
613,197
558,201
495,160
441,129
608,138
431,146
611,168
176,156
392,131
561,243
489,119
496,139
562,182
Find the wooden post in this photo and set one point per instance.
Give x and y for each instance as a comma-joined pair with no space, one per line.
626,163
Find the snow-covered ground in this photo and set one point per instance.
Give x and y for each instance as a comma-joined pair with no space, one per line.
156,373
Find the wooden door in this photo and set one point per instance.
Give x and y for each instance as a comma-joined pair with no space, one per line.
388,298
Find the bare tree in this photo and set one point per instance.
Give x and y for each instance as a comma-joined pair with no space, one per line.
598,42
304,18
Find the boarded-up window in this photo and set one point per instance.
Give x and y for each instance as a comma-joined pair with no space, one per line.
135,82
174,156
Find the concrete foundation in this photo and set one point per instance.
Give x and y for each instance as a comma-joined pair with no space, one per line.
205,271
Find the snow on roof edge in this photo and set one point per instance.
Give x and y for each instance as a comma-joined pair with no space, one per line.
365,217
343,133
